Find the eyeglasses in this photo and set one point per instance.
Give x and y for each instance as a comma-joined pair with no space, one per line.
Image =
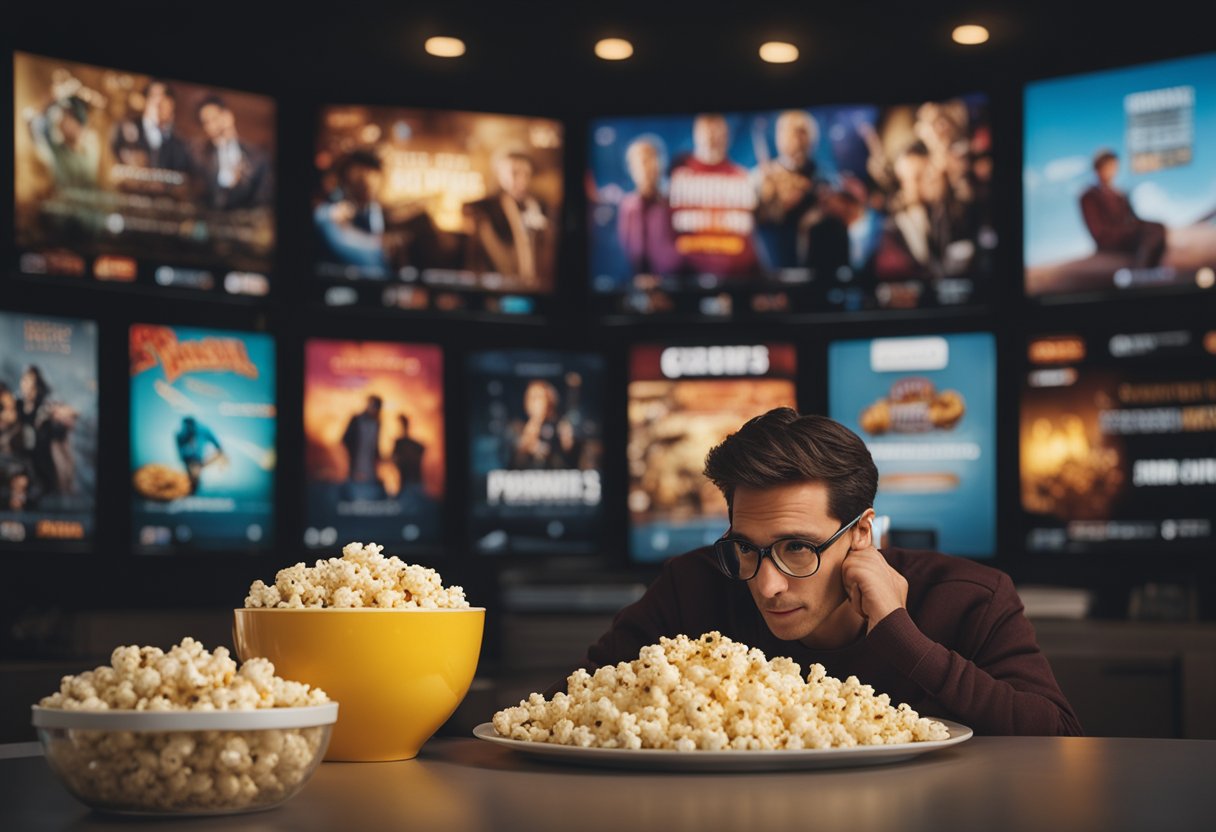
795,556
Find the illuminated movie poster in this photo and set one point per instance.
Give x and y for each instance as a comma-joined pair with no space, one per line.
48,430
683,400
131,178
1119,180
434,209
536,450
202,439
1118,442
373,433
926,408
801,210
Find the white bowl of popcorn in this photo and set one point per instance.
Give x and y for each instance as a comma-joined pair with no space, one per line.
183,732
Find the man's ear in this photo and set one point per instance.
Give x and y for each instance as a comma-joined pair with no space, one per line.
863,532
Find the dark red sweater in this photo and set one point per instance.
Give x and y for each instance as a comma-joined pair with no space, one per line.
962,650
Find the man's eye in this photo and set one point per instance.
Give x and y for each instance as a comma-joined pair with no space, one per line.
797,546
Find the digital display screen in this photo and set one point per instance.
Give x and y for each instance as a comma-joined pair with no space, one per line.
433,210
1118,442
202,439
814,210
683,400
1119,181
536,451
48,431
374,453
926,408
127,178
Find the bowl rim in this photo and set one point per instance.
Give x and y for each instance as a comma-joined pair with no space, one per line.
358,609
251,719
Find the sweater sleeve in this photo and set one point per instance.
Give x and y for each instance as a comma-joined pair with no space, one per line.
637,625
1007,688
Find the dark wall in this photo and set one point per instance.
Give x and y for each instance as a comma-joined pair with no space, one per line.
535,58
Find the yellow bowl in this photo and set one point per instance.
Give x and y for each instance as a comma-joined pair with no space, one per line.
397,674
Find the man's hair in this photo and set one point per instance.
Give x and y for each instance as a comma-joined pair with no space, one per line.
359,159
169,91
781,447
209,101
1103,156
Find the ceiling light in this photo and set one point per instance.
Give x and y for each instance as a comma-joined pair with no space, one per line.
970,34
778,52
613,49
442,47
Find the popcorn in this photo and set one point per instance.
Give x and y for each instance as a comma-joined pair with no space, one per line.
362,577
182,770
713,694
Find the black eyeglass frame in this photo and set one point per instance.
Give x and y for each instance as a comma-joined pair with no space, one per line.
767,551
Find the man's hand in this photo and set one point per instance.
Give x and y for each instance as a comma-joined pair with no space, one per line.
875,590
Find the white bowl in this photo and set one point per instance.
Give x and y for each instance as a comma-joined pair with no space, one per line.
185,762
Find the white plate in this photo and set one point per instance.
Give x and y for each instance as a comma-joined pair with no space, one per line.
658,758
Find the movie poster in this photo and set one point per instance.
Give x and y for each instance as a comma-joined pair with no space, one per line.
536,451
1118,442
131,178
374,462
453,211
48,431
1119,180
819,209
683,400
202,439
926,408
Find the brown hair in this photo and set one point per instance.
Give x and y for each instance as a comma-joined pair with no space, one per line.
781,447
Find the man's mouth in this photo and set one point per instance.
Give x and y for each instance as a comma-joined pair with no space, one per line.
779,613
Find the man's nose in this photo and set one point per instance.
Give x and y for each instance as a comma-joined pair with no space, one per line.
769,580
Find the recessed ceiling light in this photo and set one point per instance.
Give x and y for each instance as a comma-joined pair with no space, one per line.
778,52
970,34
444,47
613,49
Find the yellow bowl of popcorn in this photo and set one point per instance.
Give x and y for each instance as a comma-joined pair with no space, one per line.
184,762
384,637
398,673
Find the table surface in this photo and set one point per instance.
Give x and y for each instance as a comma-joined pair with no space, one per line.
988,783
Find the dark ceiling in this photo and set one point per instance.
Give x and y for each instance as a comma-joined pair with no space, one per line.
537,56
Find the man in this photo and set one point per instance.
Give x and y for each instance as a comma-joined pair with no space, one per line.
794,225
1112,221
151,140
643,221
512,233
235,174
361,439
407,456
712,203
193,440
797,574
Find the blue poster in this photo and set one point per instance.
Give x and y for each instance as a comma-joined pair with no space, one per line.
926,408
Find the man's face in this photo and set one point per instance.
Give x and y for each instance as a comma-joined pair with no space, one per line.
158,105
644,168
515,176
793,608
217,122
793,139
710,139
1108,170
363,184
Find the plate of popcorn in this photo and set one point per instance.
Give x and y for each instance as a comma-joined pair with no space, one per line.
713,704
183,732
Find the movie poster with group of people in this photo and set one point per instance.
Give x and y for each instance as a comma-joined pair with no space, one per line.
132,178
48,430
821,209
683,400
1120,181
203,423
374,461
436,209
1118,441
536,451
926,408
